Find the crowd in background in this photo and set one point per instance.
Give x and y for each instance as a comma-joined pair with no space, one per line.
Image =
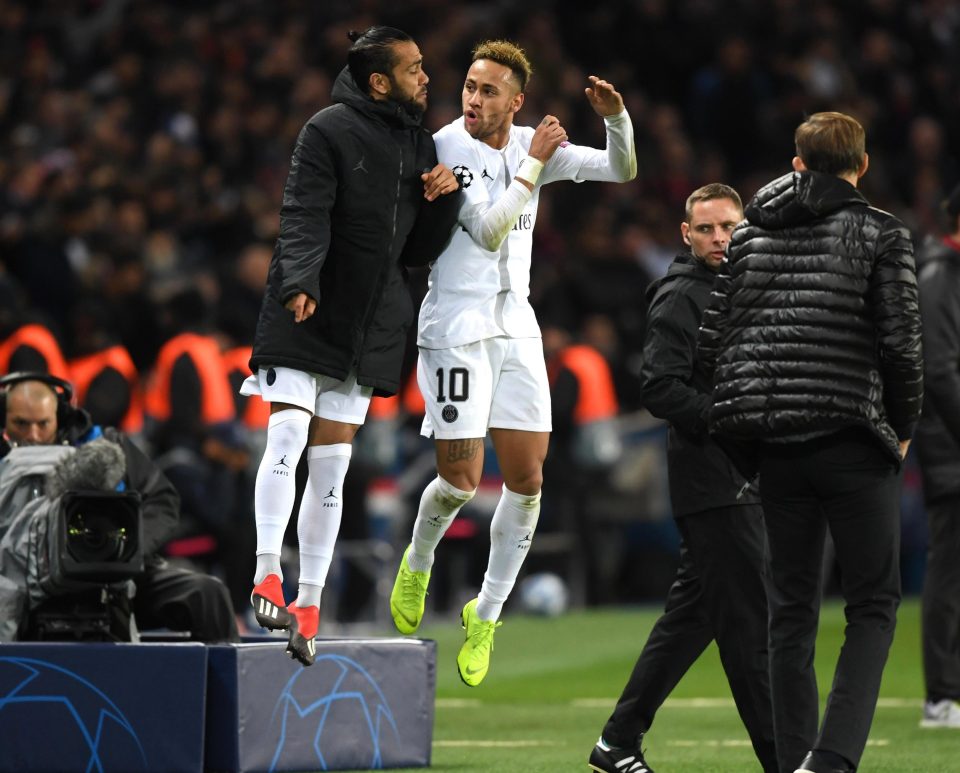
144,146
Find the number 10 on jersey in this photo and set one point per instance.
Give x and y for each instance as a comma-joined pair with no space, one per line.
457,384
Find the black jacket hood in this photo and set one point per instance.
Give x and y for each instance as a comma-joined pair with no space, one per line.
800,197
683,265
346,91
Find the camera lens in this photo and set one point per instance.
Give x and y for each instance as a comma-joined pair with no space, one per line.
95,537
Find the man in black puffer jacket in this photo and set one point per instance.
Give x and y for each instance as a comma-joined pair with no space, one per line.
938,447
815,336
364,197
719,592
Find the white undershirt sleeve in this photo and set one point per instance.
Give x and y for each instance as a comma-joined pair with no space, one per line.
617,162
621,150
488,223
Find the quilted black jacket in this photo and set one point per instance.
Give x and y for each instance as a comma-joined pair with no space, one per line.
815,326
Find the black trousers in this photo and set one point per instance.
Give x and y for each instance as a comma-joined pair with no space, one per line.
941,602
184,600
718,594
848,484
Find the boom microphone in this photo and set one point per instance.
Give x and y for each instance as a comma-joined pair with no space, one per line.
96,466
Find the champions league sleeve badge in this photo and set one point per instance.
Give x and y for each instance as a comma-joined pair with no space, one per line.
463,174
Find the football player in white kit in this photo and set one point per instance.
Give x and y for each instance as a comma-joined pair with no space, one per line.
481,361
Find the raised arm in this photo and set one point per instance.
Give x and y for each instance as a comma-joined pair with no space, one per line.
617,162
488,222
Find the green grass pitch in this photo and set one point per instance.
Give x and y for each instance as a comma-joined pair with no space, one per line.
553,682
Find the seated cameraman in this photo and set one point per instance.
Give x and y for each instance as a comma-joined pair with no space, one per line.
166,596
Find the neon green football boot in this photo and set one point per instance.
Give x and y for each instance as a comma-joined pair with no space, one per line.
408,596
474,658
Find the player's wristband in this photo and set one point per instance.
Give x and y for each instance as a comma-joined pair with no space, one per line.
529,170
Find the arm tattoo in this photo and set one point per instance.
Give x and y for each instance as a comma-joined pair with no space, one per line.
458,450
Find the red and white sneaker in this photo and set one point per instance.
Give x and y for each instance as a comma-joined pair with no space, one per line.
304,624
268,604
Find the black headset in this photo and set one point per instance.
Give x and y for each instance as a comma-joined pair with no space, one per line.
63,390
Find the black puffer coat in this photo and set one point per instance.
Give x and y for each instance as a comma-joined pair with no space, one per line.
353,212
815,327
675,388
938,433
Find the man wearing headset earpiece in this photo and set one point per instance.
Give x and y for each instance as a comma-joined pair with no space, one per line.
36,410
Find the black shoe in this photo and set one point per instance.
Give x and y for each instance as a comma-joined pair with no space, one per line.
824,762
618,760
304,622
268,604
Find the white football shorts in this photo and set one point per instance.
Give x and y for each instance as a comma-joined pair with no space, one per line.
498,383
323,396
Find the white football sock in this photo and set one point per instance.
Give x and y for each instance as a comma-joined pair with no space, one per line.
267,563
511,532
309,595
439,505
319,520
276,484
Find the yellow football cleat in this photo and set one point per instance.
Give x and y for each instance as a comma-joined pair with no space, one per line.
474,658
408,597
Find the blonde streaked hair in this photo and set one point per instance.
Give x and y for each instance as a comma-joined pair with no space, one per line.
509,55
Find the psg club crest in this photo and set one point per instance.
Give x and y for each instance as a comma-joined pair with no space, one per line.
450,414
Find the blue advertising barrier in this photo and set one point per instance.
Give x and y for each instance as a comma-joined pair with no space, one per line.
112,708
365,704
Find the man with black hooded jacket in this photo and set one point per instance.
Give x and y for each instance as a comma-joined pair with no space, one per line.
364,196
719,591
815,336
938,448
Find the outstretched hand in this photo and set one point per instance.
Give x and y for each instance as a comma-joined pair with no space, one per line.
603,97
438,181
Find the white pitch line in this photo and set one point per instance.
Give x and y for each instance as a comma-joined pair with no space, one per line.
900,703
687,703
711,743
728,742
457,703
723,703
491,744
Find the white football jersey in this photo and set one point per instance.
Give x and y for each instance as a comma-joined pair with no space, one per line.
474,293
